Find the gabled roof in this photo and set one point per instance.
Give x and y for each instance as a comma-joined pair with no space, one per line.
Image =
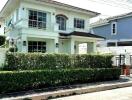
107,20
83,34
11,4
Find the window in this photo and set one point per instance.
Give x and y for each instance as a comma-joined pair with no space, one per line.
79,23
61,20
37,19
36,46
124,43
111,44
114,28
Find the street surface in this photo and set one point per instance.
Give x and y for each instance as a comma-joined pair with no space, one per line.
115,94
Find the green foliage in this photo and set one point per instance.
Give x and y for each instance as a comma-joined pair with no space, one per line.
29,61
2,40
12,81
13,49
21,61
93,61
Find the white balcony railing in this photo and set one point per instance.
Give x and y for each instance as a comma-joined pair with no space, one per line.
52,27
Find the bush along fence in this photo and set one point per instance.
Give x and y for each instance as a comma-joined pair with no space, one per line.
12,81
29,61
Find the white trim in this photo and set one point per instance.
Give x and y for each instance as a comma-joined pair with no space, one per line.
125,40
99,24
113,23
86,38
111,40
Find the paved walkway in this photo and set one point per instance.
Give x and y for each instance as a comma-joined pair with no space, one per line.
115,94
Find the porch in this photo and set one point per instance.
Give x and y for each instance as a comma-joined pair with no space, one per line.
71,43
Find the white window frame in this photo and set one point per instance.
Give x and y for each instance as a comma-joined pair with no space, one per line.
37,45
61,22
43,23
113,28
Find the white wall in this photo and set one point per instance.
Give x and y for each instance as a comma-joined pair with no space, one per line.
115,50
2,56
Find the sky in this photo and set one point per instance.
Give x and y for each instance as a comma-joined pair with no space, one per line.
107,8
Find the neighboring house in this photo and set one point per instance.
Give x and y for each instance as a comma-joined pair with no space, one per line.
117,30
48,26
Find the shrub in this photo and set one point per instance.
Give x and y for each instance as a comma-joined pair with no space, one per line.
13,49
22,61
12,81
2,40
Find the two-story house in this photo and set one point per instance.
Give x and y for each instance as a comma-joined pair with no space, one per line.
47,26
117,30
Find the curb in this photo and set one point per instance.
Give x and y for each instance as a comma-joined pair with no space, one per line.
75,91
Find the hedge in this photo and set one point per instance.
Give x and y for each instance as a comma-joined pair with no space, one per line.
12,81
93,61
28,61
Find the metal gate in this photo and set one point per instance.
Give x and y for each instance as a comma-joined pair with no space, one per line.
120,60
131,64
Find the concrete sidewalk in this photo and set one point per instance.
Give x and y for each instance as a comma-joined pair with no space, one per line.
114,94
75,89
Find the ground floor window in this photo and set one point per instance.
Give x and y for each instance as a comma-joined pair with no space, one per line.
36,46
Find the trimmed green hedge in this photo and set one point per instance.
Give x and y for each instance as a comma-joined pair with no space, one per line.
12,81
29,61
93,61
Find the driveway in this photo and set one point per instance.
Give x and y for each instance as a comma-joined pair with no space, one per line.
115,94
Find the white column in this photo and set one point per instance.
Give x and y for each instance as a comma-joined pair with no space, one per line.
56,45
23,16
72,48
53,18
91,47
2,56
77,48
53,23
24,46
94,46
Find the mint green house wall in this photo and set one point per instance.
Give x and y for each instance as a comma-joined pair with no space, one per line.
21,32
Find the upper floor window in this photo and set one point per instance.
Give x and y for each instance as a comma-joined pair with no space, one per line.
61,20
114,28
37,19
79,23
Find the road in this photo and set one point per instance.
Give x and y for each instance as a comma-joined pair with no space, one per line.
115,94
